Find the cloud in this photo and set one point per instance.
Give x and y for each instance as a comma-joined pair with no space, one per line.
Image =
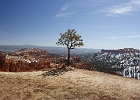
131,36
65,7
64,15
122,9
61,23
111,37
105,27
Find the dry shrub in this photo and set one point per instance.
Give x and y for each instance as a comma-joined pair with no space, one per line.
83,65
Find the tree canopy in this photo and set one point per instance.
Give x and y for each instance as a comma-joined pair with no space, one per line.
70,39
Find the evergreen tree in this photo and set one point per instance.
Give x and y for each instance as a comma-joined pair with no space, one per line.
71,40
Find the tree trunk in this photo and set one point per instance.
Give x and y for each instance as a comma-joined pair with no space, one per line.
68,56
0,66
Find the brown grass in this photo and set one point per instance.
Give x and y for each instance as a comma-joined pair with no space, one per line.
74,85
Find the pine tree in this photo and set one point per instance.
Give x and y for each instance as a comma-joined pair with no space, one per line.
71,40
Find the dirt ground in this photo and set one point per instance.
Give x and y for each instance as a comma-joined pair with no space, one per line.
73,85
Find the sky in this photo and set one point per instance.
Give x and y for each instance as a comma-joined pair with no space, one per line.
103,24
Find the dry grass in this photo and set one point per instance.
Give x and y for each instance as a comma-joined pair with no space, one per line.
74,85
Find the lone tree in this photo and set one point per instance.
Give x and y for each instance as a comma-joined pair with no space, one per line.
71,40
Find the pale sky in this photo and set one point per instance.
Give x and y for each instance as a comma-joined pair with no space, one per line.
103,24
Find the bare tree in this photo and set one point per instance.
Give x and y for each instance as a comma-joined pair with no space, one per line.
71,40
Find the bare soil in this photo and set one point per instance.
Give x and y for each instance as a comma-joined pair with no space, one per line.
72,85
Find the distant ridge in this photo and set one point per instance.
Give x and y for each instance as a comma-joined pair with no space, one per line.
124,50
50,49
